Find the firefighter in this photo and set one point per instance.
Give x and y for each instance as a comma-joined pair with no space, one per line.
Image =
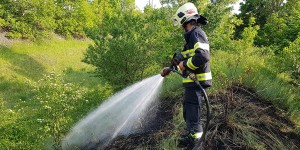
197,60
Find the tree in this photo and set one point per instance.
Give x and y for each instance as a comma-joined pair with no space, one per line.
278,21
2,21
27,19
282,27
38,18
221,25
130,45
72,18
260,9
290,59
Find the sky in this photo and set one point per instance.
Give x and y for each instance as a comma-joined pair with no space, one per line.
236,7
142,3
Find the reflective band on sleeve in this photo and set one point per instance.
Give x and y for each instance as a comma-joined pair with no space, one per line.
191,65
203,46
188,53
191,52
200,77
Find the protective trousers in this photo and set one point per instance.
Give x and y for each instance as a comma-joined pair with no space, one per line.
192,109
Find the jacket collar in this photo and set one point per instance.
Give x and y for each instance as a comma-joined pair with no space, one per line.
188,34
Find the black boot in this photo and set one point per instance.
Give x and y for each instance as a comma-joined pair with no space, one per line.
186,141
189,141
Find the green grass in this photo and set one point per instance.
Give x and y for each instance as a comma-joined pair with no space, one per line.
258,73
25,61
44,90
30,76
32,59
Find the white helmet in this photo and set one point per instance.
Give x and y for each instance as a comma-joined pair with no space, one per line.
187,12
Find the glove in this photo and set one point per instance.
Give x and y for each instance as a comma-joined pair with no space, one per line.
177,58
181,66
164,72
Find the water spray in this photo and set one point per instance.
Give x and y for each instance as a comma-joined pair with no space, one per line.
119,115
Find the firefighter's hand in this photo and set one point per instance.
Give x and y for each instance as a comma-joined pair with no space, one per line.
164,72
182,68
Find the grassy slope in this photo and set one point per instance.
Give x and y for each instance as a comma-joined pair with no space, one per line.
30,61
29,77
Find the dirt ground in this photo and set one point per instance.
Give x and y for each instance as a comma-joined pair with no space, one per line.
4,41
240,120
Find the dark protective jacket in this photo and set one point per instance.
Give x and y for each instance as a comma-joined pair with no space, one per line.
197,57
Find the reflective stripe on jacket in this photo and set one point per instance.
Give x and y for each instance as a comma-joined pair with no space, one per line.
197,57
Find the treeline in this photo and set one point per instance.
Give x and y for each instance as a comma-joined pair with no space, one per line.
118,28
279,23
31,19
132,43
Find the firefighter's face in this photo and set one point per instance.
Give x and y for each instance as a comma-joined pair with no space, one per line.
184,27
187,27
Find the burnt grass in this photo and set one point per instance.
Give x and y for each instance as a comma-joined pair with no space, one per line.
158,128
240,119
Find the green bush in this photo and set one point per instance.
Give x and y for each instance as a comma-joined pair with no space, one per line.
14,35
123,56
8,118
290,60
33,19
57,101
54,107
28,18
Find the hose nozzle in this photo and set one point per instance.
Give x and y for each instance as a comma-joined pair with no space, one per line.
165,71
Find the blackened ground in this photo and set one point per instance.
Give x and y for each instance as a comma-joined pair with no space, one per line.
240,120
157,129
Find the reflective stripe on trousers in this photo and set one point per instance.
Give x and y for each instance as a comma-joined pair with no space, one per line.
200,77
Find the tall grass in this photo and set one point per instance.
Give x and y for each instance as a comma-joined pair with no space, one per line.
255,72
